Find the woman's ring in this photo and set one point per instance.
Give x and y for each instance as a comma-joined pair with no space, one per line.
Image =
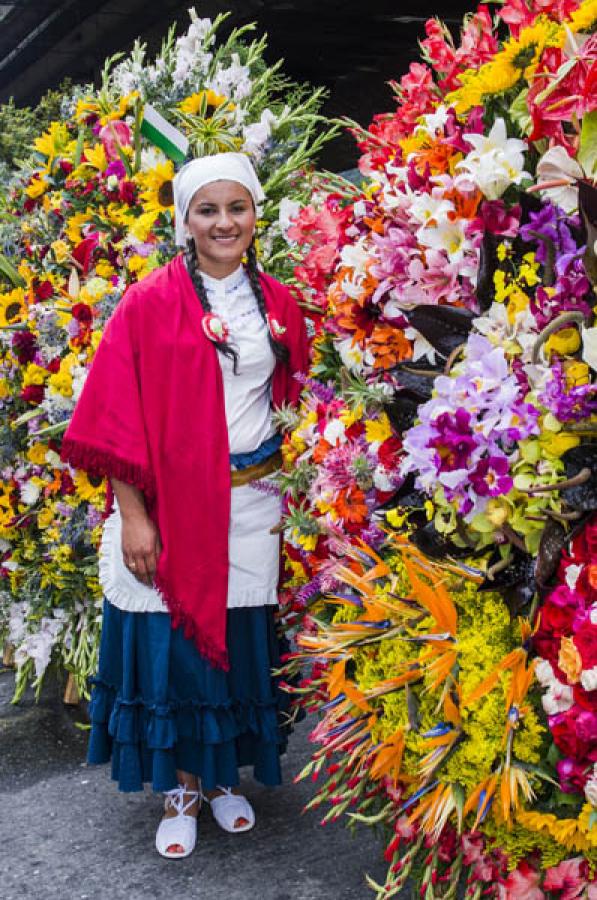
132,566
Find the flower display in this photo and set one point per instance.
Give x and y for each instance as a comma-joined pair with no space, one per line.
91,211
441,470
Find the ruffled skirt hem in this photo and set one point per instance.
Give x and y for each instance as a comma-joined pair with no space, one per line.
207,722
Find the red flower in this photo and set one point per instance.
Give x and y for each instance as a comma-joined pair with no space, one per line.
82,313
83,252
586,644
389,452
43,289
33,393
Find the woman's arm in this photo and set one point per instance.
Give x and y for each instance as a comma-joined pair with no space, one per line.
141,545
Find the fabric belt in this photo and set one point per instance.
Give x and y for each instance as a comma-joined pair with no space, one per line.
259,470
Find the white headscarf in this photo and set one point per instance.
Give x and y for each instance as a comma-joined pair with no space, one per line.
199,172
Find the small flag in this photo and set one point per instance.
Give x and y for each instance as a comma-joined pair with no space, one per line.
164,135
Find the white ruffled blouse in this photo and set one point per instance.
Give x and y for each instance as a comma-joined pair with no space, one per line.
253,552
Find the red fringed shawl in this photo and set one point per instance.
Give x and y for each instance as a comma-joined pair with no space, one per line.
152,414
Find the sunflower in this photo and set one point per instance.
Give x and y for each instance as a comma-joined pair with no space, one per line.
520,56
90,488
584,19
12,307
204,104
518,59
157,195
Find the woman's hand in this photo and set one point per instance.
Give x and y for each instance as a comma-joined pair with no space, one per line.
141,547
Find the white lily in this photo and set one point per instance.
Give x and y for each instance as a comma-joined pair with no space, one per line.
496,160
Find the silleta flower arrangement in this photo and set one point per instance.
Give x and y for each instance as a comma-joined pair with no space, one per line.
91,213
441,471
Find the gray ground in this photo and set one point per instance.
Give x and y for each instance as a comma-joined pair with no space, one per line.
66,832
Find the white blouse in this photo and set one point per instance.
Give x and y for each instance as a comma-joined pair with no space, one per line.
253,551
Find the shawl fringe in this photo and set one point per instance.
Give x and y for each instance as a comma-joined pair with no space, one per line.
104,464
206,648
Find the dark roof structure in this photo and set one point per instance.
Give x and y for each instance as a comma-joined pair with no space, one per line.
351,46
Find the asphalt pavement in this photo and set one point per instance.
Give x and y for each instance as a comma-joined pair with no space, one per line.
66,833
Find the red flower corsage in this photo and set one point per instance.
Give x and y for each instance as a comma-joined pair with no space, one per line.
275,329
215,328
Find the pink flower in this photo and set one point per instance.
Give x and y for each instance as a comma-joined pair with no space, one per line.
522,884
113,135
569,877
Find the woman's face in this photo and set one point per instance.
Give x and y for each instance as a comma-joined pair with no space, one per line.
221,221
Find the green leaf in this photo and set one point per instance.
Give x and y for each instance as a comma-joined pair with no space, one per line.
587,151
519,112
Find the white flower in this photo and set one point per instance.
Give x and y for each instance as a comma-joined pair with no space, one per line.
544,672
421,346
558,698
447,236
256,135
591,787
593,614
434,122
426,208
496,160
334,431
151,158
588,679
558,165
30,492
382,480
287,211
351,355
589,347
572,573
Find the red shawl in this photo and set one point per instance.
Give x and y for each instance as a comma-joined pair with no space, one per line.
152,414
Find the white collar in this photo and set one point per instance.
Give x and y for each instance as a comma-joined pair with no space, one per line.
224,285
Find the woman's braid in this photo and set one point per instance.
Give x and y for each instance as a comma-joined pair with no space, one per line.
279,349
192,263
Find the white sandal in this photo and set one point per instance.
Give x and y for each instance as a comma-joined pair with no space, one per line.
229,807
180,829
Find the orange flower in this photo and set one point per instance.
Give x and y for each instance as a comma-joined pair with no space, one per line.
351,506
321,450
389,346
569,660
465,205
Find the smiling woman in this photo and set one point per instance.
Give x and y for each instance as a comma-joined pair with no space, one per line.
190,540
221,222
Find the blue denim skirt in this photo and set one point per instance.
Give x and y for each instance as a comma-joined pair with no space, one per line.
157,706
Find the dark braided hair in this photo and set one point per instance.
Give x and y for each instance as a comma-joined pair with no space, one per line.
279,349
192,262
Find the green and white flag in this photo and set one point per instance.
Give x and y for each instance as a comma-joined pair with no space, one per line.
160,132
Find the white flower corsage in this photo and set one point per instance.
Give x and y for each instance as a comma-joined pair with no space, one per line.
215,328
